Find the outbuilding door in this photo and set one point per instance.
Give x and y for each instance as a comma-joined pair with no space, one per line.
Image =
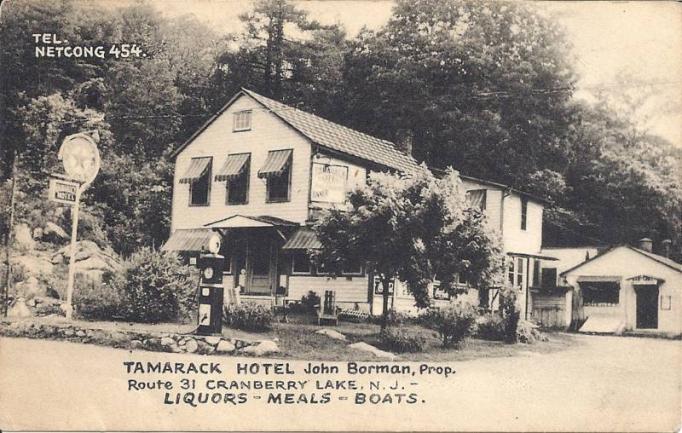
647,307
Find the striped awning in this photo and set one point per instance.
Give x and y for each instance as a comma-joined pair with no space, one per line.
234,166
302,239
276,163
197,168
188,240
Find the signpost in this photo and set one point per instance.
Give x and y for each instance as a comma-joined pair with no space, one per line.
81,160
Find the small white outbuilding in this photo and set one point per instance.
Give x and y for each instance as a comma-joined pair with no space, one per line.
628,288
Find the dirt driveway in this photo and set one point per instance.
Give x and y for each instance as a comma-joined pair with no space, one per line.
598,383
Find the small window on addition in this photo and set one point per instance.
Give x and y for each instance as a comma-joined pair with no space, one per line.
524,213
300,264
242,121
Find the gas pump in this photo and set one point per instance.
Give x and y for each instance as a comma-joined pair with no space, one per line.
211,289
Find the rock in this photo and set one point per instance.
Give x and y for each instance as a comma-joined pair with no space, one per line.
37,233
191,346
212,340
373,350
136,345
265,347
53,233
23,238
19,309
332,334
31,302
167,341
225,346
30,288
80,333
33,265
68,332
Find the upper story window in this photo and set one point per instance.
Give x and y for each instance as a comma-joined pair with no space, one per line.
477,198
236,173
242,121
198,176
277,172
524,213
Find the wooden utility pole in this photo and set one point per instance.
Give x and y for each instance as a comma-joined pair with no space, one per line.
8,237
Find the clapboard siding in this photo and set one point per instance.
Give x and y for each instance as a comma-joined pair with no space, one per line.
218,140
348,290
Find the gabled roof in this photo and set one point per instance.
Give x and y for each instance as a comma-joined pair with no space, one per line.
327,134
655,257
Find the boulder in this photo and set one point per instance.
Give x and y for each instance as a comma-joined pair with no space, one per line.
30,288
167,341
212,340
225,346
191,346
53,233
332,334
265,347
373,350
19,309
33,265
37,233
23,238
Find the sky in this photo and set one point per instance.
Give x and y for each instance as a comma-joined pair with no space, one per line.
619,48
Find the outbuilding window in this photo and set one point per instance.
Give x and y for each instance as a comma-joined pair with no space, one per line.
600,293
300,264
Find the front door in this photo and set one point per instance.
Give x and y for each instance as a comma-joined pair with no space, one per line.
647,307
260,256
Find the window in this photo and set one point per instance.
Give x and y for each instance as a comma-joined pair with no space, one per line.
524,213
666,302
600,293
242,121
300,264
238,186
461,279
477,198
278,186
352,269
200,187
549,278
516,272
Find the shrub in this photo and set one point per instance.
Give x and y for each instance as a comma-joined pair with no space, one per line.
248,316
397,340
511,314
454,323
528,332
310,302
97,301
490,326
393,318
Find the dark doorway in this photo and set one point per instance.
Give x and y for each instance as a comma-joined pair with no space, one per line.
647,307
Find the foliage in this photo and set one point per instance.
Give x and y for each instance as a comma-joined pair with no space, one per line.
413,229
400,341
490,326
454,322
155,287
97,301
511,314
310,301
528,333
248,316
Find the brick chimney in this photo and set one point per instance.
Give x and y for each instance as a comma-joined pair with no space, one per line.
667,244
646,244
404,140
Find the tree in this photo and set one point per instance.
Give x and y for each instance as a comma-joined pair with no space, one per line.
415,230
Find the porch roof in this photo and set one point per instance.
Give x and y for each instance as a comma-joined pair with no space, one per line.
185,240
302,239
241,221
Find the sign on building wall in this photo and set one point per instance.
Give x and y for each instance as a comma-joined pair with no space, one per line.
329,183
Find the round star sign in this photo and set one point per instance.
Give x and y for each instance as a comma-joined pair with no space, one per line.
80,157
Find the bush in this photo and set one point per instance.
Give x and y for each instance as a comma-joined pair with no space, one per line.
154,287
454,323
490,326
394,318
511,314
528,332
310,302
97,301
397,340
248,316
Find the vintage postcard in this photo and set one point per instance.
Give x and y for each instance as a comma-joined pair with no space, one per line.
385,215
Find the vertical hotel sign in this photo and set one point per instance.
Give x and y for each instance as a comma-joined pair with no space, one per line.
329,183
